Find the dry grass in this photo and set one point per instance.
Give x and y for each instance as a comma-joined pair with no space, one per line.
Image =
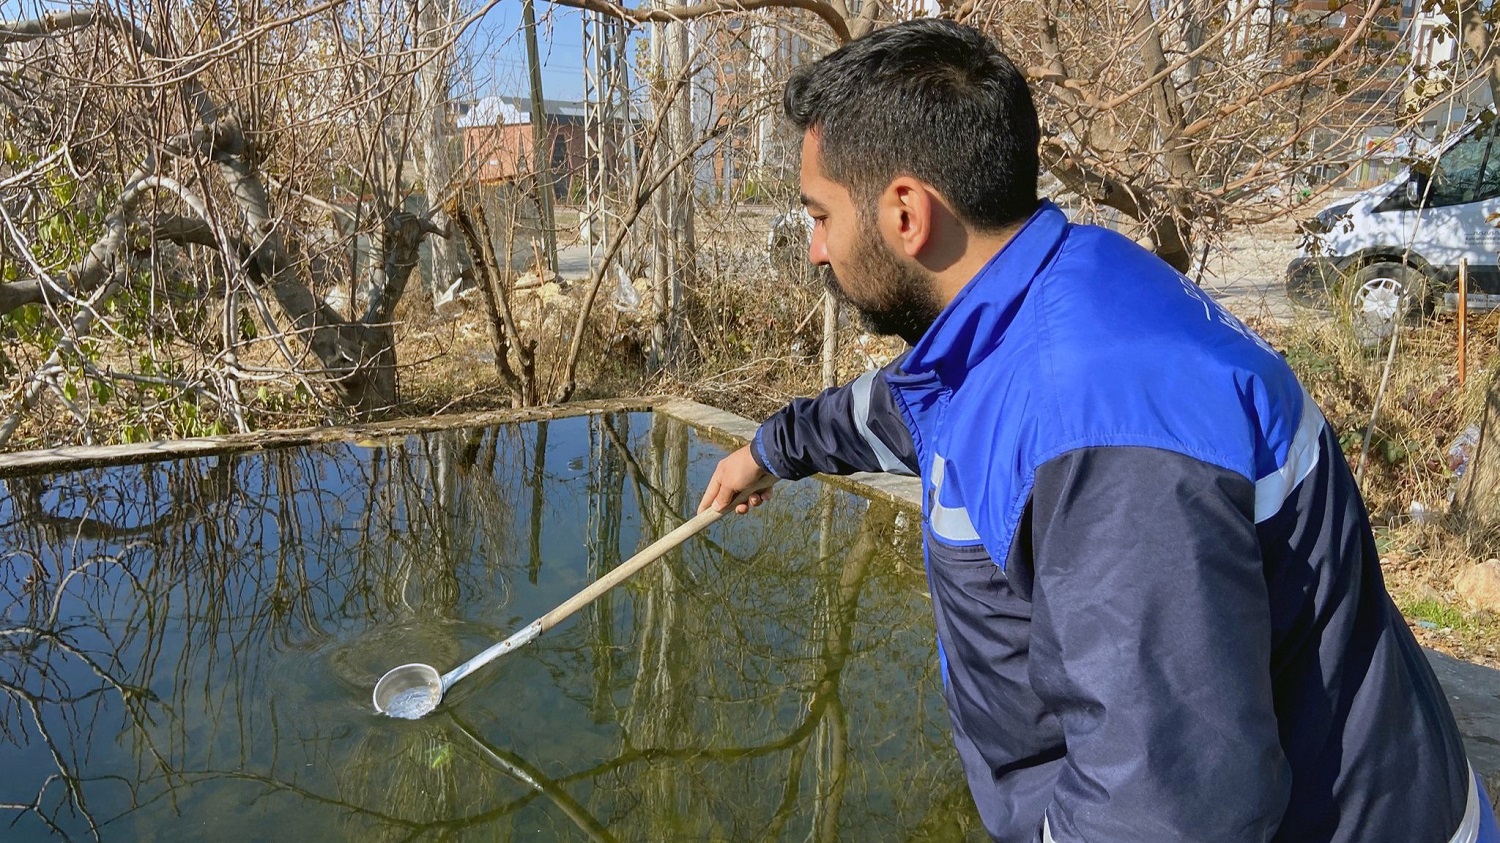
1423,409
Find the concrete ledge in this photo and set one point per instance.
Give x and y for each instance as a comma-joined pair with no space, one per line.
738,430
1474,695
68,458
720,423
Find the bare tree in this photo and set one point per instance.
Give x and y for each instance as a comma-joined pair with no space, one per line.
1188,117
183,156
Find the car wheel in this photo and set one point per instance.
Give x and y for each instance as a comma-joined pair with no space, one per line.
1383,295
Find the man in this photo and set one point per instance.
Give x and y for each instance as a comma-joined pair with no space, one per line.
1159,606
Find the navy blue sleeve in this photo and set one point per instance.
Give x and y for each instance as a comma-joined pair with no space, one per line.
1151,640
854,427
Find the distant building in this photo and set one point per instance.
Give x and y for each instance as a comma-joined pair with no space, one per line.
1364,78
1444,90
741,87
1358,95
499,141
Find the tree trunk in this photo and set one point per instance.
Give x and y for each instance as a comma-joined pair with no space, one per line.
681,245
1477,504
684,236
1476,37
358,358
435,23
1170,228
830,340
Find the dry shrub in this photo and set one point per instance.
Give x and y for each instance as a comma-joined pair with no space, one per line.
754,338
1422,410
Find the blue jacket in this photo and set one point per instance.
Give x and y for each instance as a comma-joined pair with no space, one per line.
1159,605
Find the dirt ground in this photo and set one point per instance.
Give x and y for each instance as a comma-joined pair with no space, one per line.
1247,269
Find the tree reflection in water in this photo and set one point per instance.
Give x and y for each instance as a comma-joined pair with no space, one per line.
187,648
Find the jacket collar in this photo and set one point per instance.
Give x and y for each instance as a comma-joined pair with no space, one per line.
973,323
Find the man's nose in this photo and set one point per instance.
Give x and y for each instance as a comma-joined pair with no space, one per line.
817,250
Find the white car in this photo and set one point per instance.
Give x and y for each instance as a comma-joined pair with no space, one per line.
1393,251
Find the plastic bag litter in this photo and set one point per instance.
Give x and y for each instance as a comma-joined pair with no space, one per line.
1460,454
1461,450
627,300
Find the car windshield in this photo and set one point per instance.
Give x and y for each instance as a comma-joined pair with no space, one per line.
1469,171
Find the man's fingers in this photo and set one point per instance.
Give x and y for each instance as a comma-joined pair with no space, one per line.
708,494
755,499
734,474
723,497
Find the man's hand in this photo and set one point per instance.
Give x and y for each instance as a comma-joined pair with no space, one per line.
736,473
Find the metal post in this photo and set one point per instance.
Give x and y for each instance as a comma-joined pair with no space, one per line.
597,231
1463,313
541,140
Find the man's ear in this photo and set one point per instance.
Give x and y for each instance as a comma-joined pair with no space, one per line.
906,215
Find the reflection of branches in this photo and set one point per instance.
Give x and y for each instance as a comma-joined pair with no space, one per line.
523,771
839,610
538,472
196,777
209,559
512,765
28,647
606,512
160,661
30,506
658,696
71,786
656,505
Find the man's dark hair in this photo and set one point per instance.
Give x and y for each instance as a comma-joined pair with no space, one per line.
926,98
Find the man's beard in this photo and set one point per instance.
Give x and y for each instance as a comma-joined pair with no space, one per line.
898,300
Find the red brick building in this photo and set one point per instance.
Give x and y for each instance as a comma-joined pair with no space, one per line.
499,141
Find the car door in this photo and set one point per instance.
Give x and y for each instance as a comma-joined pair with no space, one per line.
1452,222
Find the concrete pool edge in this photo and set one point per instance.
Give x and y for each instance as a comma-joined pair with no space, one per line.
725,426
73,457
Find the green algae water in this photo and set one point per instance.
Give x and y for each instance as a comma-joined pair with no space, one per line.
187,650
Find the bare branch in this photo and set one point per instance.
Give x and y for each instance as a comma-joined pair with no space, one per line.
676,14
1347,44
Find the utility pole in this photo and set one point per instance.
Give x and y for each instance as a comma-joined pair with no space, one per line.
542,156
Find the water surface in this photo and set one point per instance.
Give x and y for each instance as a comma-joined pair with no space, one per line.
187,650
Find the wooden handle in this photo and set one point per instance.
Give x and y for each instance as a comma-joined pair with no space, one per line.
1463,312
654,551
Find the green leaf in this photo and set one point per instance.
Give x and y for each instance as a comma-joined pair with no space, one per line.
1393,451
63,187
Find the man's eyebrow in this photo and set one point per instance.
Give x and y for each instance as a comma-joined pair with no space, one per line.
810,203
